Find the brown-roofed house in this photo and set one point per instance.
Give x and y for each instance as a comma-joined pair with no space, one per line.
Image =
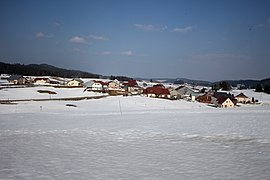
206,98
242,98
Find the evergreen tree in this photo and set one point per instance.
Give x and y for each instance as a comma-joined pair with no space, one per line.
267,89
215,87
259,88
225,86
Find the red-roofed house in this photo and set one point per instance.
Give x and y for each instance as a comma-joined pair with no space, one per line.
158,92
131,83
132,87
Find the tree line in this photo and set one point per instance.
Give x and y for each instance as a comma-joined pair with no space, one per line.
265,88
42,70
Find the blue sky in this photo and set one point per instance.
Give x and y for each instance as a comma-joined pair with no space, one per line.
207,40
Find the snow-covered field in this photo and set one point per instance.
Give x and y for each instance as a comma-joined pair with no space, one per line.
133,138
32,93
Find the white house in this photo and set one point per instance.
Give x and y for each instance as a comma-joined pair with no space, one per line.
96,85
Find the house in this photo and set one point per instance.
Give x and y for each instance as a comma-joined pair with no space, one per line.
132,88
186,92
149,92
225,102
131,83
94,85
17,79
104,84
41,80
206,98
174,94
219,96
75,83
116,92
57,81
114,84
158,92
242,98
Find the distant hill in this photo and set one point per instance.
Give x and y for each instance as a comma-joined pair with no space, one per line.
179,81
48,70
42,70
195,82
248,83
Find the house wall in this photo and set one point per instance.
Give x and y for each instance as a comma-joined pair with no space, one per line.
151,95
74,83
204,99
243,100
174,94
187,91
165,96
97,86
42,81
227,104
114,85
19,81
134,90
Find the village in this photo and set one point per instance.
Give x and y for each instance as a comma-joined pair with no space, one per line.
105,87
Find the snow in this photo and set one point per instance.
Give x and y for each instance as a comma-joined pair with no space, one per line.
32,93
132,138
260,96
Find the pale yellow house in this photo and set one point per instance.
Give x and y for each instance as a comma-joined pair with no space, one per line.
225,102
75,82
114,84
242,98
41,80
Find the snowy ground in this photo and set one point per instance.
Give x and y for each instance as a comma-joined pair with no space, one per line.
261,97
133,138
32,93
